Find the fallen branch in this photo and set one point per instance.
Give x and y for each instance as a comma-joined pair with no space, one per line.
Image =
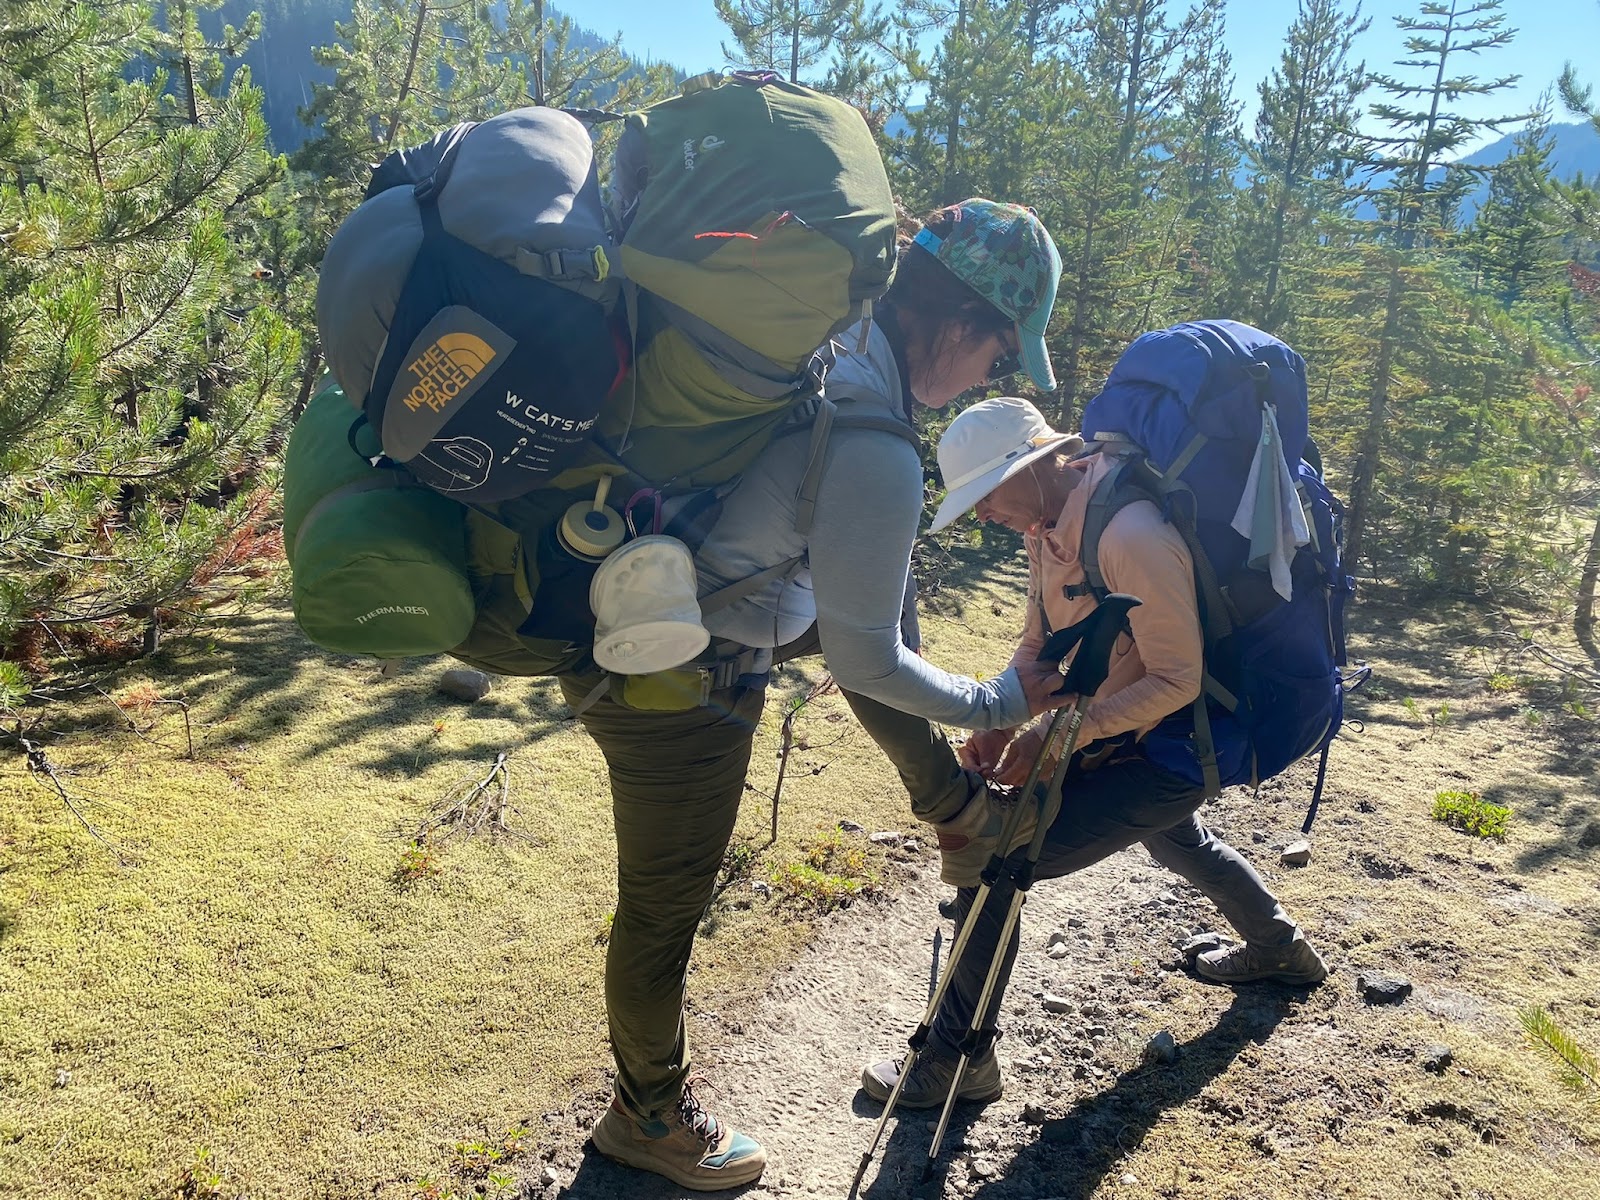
821,688
40,764
473,806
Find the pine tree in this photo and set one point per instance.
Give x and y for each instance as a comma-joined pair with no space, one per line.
1205,146
138,381
1418,206
787,36
1420,200
1300,158
1513,240
1127,68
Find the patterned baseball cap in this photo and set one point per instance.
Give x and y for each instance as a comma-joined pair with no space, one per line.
1004,253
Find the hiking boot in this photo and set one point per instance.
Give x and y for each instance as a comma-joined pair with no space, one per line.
968,839
929,1081
1296,963
692,1148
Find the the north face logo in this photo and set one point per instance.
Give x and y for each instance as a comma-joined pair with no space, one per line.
445,368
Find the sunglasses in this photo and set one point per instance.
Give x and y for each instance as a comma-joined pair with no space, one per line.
1009,362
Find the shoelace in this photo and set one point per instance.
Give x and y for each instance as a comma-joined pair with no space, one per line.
695,1117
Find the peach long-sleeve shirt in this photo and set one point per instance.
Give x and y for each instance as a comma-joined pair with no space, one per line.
1158,670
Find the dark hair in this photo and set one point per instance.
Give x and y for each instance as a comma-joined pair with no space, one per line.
932,292
926,296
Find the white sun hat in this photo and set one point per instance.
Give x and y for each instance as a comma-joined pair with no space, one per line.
647,614
986,445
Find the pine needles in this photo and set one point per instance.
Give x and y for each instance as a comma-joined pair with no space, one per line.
1579,1069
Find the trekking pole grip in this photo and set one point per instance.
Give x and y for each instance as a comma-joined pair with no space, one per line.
1097,634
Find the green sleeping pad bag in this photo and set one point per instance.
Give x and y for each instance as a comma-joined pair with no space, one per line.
379,562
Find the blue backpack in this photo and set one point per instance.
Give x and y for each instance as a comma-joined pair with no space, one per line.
1188,407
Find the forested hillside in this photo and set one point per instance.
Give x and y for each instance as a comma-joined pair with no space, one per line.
284,63
161,253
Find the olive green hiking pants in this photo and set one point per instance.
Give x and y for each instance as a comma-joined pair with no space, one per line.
676,783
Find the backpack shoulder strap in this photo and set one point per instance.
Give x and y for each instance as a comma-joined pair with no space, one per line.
1134,479
820,413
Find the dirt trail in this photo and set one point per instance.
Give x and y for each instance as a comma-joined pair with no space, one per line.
788,1071
1276,1092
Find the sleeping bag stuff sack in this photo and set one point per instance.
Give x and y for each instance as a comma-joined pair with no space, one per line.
466,306
379,563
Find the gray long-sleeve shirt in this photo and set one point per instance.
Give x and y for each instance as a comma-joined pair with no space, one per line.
869,503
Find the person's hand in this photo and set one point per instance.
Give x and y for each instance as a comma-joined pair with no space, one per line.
1019,756
1038,681
981,751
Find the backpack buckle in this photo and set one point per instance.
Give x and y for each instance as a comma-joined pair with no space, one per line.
560,266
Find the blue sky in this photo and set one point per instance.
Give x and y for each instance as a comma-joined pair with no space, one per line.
688,34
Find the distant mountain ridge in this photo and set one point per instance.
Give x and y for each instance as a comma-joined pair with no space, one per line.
1575,151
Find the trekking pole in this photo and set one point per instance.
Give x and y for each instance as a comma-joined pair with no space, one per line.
1098,633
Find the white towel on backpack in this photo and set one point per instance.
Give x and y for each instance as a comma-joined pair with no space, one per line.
1269,512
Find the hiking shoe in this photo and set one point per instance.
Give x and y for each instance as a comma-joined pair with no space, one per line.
1296,963
693,1148
969,839
929,1081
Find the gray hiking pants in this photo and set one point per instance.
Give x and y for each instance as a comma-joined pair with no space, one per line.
1103,811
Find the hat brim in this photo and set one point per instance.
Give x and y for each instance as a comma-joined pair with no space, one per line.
958,501
1035,358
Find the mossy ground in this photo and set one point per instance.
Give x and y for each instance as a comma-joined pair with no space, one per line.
257,977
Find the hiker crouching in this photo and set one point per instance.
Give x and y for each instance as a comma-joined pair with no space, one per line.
1000,458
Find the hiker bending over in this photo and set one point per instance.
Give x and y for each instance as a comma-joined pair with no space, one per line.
1001,458
970,302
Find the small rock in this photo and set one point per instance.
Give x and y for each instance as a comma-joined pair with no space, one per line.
464,684
549,1177
1094,1032
1076,922
1436,1058
911,846
63,1077
1080,1071
851,827
1056,938
887,837
1129,1179
761,887
1056,1004
947,908
1163,1048
1258,837
1296,854
1198,945
982,1169
1168,898
1380,988
1034,1114
1059,950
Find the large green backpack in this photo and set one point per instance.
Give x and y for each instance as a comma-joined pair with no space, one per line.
758,215
756,221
